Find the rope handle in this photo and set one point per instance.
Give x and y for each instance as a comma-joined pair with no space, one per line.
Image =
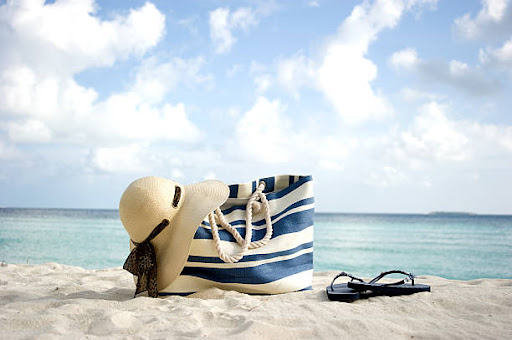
252,206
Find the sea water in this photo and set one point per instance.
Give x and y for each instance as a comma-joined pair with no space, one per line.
452,246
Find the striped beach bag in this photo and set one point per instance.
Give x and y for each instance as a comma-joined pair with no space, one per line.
260,241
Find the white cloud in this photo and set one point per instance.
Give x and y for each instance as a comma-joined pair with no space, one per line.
263,133
500,57
294,73
126,117
210,175
405,59
69,37
412,95
433,135
433,144
42,102
223,22
385,176
471,80
343,73
177,174
266,135
263,83
123,159
434,140
155,79
314,3
28,131
493,21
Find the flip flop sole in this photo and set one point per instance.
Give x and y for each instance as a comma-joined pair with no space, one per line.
340,292
383,289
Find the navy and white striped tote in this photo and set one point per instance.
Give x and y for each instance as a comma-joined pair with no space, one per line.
277,213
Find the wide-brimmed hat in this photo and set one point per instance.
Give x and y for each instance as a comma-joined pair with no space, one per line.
158,206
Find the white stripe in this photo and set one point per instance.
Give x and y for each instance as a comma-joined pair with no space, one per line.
231,217
281,182
202,247
187,284
248,264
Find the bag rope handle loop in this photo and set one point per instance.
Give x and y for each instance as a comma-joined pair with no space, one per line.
252,205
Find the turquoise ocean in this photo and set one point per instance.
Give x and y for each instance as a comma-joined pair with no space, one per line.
454,246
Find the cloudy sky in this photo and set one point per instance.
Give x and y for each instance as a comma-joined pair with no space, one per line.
391,105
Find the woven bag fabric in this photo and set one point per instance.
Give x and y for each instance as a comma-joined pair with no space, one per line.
284,264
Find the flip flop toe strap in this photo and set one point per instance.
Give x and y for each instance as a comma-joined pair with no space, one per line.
352,278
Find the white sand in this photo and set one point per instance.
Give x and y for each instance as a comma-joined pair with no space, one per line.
54,301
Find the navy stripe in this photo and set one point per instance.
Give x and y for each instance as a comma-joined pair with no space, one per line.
287,190
233,191
291,179
179,294
297,204
190,293
261,274
250,258
290,224
269,184
228,211
253,186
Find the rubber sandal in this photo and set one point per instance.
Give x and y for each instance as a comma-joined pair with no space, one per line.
341,292
401,287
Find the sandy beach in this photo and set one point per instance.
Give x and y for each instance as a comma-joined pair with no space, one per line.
54,301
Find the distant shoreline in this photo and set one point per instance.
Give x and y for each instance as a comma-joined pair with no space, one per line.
451,213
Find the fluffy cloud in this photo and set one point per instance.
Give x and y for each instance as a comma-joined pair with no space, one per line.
432,144
121,159
42,102
413,95
69,37
405,59
456,74
265,134
154,78
500,57
433,135
223,22
294,73
492,24
493,21
343,73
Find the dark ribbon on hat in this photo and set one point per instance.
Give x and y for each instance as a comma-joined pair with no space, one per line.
142,263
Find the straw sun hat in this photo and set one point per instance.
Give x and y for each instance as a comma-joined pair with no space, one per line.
161,217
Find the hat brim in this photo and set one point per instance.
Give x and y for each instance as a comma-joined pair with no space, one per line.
172,246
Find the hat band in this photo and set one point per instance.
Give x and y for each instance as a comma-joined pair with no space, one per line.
158,229
142,262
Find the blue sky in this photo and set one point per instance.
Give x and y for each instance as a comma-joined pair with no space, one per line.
398,106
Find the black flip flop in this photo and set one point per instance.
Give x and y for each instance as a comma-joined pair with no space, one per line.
341,292
401,287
